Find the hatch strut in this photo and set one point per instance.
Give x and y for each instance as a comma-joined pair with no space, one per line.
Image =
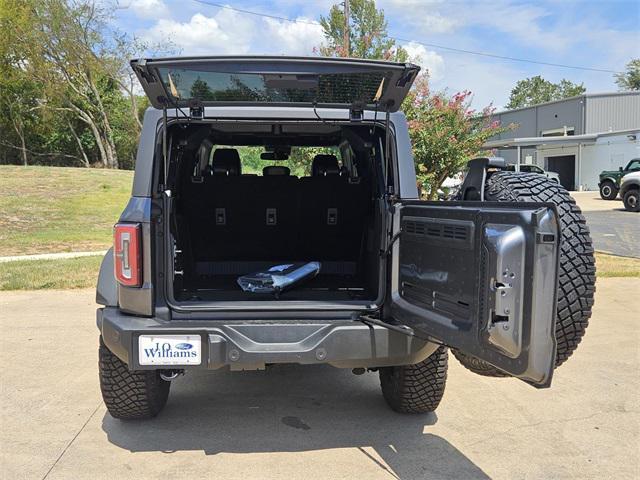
165,155
387,150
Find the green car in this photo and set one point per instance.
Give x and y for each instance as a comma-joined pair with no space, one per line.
610,179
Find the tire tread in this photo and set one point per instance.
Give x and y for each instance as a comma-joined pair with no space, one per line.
577,273
130,394
416,388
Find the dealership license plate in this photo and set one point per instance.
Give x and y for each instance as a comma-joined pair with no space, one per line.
170,349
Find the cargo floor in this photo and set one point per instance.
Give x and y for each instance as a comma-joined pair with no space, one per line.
323,287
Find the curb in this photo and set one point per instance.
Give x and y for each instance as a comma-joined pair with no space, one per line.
50,256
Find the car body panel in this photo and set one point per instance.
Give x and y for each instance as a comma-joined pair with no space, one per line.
630,180
480,277
616,175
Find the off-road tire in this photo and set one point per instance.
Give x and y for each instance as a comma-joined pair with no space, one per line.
577,275
130,395
416,388
608,190
631,200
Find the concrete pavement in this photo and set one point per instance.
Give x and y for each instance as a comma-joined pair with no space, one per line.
314,422
613,229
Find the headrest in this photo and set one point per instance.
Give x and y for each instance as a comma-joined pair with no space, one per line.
324,164
226,161
276,170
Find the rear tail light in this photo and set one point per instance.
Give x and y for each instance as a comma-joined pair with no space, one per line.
127,245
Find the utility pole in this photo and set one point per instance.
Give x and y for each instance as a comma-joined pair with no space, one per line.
346,28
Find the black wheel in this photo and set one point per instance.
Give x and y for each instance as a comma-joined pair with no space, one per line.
608,190
130,395
631,201
577,276
416,388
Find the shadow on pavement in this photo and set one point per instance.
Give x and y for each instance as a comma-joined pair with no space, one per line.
293,409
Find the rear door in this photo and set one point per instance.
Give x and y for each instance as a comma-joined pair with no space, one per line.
480,277
247,81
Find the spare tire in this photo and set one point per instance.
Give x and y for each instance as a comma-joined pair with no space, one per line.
577,275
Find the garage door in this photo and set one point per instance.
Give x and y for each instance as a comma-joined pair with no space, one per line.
565,166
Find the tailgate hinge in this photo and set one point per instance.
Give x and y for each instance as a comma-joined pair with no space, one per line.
144,71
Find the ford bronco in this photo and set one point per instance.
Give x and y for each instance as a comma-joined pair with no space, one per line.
609,182
503,276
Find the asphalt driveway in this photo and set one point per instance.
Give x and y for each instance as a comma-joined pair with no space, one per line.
613,229
306,422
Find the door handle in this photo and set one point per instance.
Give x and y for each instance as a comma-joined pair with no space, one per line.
506,245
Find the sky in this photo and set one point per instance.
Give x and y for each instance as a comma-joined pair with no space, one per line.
600,34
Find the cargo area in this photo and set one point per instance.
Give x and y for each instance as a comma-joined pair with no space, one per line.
315,198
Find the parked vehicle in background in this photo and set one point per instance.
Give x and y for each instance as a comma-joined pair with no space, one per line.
528,168
450,187
215,268
630,191
610,179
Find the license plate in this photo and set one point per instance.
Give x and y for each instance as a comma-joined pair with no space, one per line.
169,349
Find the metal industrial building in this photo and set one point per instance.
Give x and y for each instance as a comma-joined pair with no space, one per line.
577,137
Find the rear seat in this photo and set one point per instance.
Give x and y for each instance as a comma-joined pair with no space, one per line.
333,210
226,226
277,216
276,198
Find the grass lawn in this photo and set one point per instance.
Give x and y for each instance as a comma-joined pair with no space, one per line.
55,209
52,209
614,266
83,272
66,273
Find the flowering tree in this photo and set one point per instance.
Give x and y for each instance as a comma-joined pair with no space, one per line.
445,133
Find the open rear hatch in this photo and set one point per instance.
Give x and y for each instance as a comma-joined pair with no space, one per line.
195,82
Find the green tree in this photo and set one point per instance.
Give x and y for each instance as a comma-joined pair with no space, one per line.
368,37
68,93
630,79
201,90
445,133
535,90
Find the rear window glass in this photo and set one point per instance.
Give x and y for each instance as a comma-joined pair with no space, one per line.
299,161
271,88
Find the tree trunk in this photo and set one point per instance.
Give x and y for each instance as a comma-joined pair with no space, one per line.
97,135
104,158
18,126
110,146
85,159
25,159
433,191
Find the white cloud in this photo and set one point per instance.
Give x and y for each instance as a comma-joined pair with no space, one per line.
230,32
149,9
224,33
292,38
505,27
427,59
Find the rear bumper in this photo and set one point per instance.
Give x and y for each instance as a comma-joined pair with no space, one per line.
250,345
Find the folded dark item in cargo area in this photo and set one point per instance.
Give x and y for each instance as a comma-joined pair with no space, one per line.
279,277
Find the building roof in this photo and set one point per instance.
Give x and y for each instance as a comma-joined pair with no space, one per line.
586,138
569,99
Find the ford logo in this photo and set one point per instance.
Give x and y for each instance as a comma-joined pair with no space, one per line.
184,346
